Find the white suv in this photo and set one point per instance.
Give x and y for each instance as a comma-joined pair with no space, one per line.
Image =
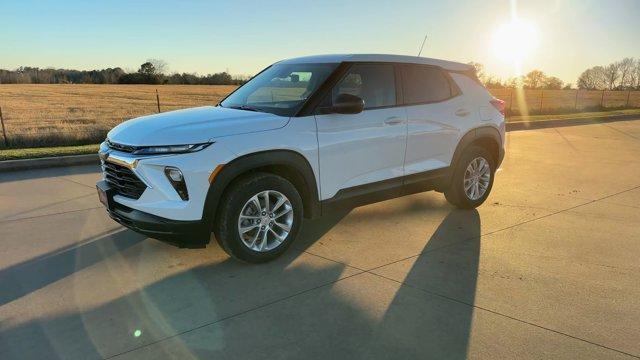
302,137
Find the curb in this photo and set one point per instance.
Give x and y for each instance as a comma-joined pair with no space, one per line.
47,162
74,160
544,124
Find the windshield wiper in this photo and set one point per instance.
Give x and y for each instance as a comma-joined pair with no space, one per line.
245,107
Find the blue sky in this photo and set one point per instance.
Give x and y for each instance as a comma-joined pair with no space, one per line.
245,36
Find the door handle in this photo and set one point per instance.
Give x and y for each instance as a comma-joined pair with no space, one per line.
462,112
393,120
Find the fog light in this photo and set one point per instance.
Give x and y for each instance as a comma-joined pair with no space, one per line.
175,174
177,181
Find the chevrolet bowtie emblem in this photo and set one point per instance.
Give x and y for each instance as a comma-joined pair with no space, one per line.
103,155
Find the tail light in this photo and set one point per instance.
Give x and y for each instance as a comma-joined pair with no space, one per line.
498,104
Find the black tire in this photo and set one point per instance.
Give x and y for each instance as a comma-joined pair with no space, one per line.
456,194
232,203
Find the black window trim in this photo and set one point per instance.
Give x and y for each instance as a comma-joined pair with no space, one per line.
343,70
310,107
396,82
313,103
454,89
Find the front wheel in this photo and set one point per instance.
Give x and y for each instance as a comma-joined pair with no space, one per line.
259,218
472,179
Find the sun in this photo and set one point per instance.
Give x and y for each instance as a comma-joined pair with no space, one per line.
514,41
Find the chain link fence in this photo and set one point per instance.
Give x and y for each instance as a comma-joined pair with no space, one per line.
531,102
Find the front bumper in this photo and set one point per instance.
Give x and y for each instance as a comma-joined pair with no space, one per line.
184,234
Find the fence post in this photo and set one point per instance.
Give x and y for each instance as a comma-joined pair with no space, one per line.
4,133
511,102
158,100
577,92
541,99
602,100
628,96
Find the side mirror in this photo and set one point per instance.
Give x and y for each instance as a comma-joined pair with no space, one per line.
345,104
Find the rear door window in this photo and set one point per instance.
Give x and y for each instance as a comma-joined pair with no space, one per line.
424,84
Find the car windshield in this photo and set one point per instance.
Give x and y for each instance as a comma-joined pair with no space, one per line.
281,89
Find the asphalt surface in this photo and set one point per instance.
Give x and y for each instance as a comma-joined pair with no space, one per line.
548,267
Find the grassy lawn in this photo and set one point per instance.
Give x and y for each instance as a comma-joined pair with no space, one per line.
31,153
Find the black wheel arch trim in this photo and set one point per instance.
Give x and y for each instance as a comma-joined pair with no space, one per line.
473,135
253,161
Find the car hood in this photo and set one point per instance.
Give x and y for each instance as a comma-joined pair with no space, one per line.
192,126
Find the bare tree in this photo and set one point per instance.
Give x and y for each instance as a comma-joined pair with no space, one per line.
553,83
626,67
634,75
479,71
534,79
160,66
612,74
514,82
592,79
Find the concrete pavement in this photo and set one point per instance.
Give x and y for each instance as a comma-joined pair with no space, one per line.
546,268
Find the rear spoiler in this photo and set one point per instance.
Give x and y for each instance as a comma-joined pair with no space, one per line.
470,73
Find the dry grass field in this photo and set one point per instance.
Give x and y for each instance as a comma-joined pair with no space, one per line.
51,115
45,115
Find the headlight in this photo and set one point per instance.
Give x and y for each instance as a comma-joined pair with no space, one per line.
170,149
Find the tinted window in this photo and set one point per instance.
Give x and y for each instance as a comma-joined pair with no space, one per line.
375,84
424,84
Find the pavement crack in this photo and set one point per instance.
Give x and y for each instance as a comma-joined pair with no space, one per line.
433,293
565,139
331,260
621,132
45,206
504,228
77,182
255,308
45,215
369,271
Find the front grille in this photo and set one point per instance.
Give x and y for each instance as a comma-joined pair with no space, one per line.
123,180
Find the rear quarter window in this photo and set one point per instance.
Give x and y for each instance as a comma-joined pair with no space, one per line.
426,84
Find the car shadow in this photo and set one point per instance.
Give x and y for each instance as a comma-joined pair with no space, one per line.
213,292
446,273
23,278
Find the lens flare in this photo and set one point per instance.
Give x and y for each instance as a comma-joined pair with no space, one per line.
514,41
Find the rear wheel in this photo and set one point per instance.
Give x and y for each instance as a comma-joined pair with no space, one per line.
259,218
472,179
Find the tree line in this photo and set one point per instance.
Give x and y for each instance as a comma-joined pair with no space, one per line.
619,75
151,72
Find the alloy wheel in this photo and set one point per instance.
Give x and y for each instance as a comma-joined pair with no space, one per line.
265,220
477,178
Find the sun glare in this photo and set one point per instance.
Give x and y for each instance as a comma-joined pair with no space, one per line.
514,41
